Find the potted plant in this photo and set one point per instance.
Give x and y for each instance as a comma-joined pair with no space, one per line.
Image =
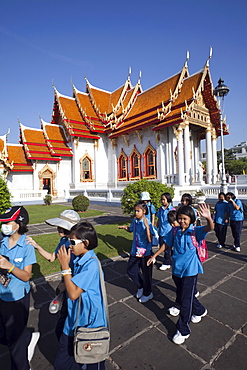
200,196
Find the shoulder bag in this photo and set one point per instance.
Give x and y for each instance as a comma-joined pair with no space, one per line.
91,345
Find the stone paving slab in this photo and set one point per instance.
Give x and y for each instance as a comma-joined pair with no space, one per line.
141,333
234,356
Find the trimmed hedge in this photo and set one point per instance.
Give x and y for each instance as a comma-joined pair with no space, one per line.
131,194
80,203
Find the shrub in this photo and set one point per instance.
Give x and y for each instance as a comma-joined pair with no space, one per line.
5,196
80,203
131,194
199,193
48,199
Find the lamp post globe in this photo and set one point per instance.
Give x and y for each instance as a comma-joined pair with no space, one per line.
220,91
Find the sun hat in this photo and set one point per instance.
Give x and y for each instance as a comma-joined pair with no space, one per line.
145,195
15,213
66,220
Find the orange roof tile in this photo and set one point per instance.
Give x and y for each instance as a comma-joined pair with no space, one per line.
56,140
86,104
114,98
153,97
70,109
101,98
187,91
35,144
16,155
1,145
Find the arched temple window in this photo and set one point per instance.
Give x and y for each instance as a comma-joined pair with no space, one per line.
122,166
150,162
135,165
86,169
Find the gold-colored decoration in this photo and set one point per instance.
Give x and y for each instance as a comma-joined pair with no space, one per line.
113,143
96,144
76,141
126,140
47,173
139,135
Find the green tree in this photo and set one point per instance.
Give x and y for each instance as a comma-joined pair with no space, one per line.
131,194
5,196
229,156
237,166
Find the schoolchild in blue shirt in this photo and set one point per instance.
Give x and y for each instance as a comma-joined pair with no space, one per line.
140,252
221,215
83,282
66,220
186,200
185,267
151,211
164,227
16,260
236,212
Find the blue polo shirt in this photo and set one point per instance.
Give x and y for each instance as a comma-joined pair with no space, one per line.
21,255
151,211
236,214
221,210
92,312
140,236
65,241
164,225
185,261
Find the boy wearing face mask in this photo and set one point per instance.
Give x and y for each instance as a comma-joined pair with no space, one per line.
16,260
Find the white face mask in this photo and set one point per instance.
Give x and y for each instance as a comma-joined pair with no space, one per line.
8,230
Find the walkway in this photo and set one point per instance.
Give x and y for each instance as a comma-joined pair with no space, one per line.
111,215
140,334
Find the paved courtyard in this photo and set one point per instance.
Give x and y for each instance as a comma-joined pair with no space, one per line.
140,333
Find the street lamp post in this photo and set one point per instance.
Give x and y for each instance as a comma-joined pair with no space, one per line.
221,91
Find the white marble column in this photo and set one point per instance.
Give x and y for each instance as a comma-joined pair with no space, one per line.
187,162
209,154
214,155
180,156
112,164
160,158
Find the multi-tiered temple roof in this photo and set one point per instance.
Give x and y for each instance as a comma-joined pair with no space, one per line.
95,112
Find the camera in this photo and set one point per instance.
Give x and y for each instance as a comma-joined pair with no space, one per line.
4,279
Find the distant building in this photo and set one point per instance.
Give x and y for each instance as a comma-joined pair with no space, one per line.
99,140
240,150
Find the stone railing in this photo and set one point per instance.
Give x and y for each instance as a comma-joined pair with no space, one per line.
101,195
28,196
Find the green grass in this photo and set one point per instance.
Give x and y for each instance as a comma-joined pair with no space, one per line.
39,213
111,242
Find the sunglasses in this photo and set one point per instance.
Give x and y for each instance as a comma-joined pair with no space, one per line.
74,242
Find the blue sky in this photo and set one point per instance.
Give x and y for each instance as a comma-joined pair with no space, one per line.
56,40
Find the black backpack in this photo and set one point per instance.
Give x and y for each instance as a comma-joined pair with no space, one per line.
244,210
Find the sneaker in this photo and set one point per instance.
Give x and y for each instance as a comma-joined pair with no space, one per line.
164,267
197,294
195,319
219,246
32,345
179,338
139,293
173,311
236,249
146,298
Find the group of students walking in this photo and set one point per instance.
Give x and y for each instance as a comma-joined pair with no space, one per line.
228,211
176,229
180,232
